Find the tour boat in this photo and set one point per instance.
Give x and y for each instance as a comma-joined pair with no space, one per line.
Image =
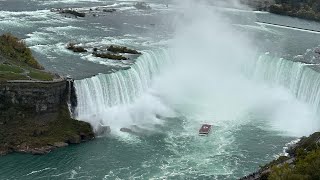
205,129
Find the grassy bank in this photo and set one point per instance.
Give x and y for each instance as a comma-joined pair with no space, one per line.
17,61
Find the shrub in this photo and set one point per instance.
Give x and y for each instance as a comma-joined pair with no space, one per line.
15,49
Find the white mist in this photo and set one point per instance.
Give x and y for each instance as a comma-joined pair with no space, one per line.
204,82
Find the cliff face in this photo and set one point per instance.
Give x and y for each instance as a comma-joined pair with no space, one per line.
28,99
34,117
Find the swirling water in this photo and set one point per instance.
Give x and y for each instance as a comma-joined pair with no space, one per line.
255,111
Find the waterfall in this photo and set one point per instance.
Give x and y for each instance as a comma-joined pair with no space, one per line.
112,99
103,91
299,78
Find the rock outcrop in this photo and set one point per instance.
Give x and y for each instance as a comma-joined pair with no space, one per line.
73,47
34,117
142,6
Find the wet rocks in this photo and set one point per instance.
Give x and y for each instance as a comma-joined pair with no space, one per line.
122,49
41,151
110,56
72,12
127,130
60,144
142,6
74,48
109,10
113,52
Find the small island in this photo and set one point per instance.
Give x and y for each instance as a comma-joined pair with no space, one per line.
112,52
34,113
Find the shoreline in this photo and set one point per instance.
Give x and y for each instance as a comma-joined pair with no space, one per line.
295,153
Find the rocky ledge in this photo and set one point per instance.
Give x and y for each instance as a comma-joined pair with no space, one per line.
302,162
43,133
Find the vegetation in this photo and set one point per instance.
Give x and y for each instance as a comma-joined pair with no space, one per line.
17,61
303,162
40,75
306,144
10,68
4,76
306,167
307,9
20,134
13,48
279,160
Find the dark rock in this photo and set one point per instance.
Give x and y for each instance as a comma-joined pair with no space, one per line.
109,10
60,144
75,139
74,48
126,130
38,132
142,6
41,151
122,49
38,152
73,12
110,56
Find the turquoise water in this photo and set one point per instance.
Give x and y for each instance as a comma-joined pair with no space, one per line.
168,154
203,71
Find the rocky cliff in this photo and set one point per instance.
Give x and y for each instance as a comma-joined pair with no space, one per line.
34,114
34,117
22,99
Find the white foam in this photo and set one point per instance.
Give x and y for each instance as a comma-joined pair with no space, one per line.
291,28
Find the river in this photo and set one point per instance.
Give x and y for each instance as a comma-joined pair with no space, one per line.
253,75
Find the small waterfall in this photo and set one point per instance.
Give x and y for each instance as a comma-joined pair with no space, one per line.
103,91
69,84
302,81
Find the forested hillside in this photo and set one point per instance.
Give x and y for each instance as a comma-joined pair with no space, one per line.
307,9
